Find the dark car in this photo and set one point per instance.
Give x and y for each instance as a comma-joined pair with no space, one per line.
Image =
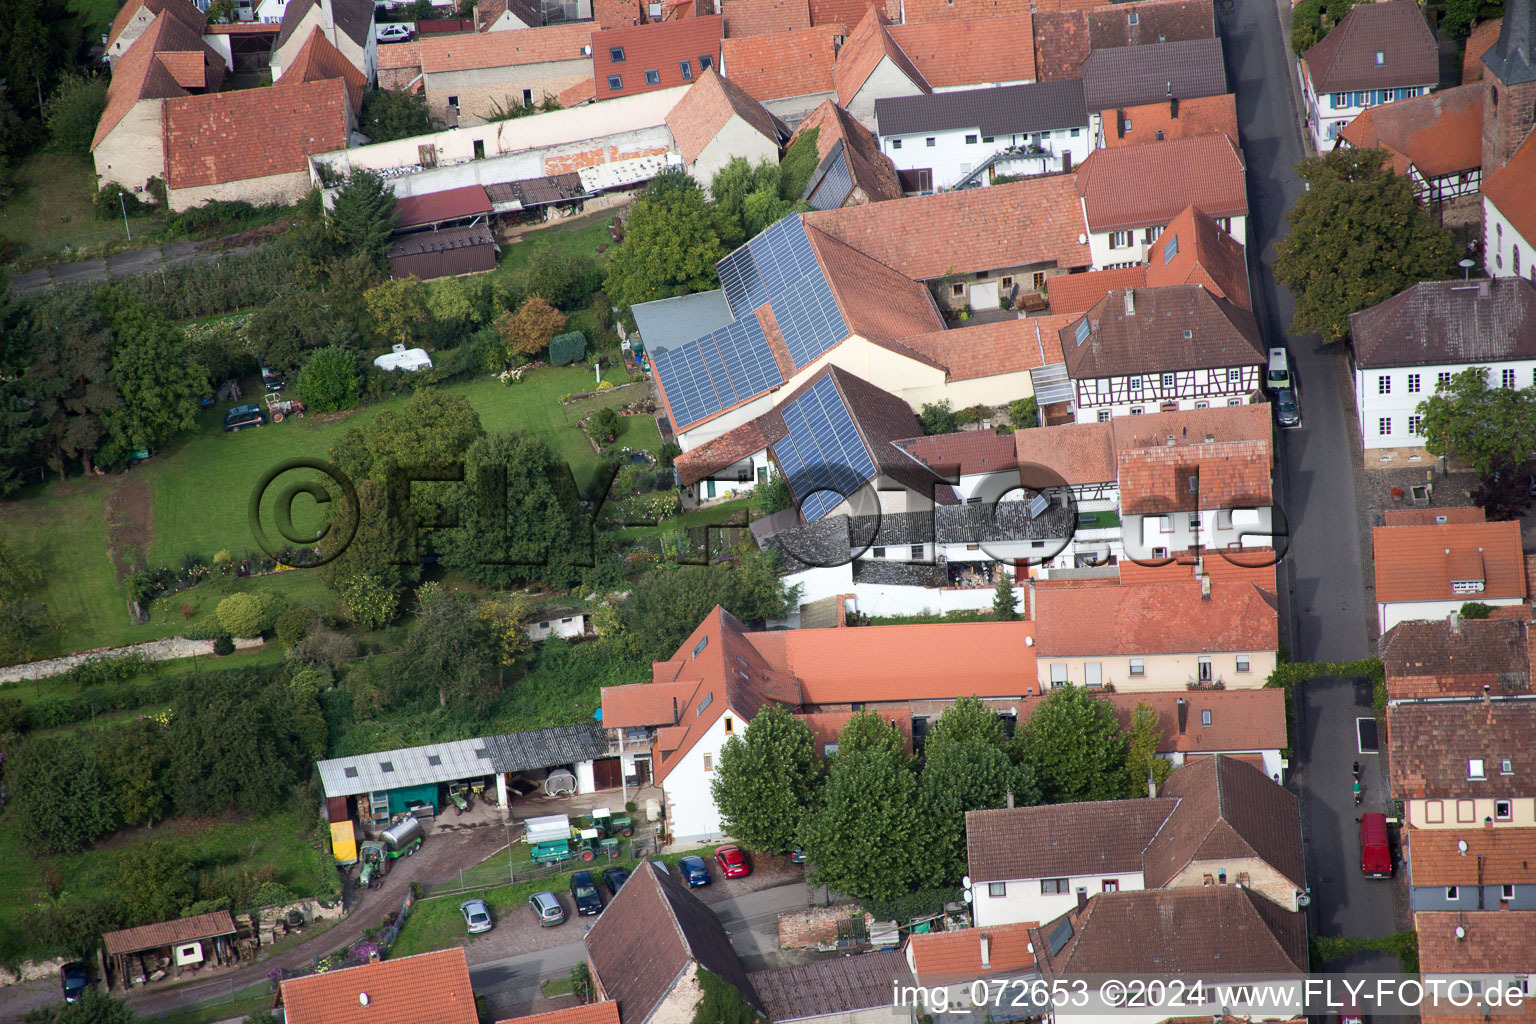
695,872
797,856
242,416
74,980
272,379
1287,408
733,862
584,893
614,879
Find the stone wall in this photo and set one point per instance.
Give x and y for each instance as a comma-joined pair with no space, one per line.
816,928
30,970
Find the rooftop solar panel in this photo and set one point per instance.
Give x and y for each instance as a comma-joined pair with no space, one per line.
718,370
777,258
809,319
822,455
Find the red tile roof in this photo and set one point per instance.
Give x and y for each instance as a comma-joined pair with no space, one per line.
432,988
706,108
590,1013
169,933
1232,565
584,91
318,60
1139,186
986,350
1491,856
181,10
400,55
1433,658
764,17
1432,744
1489,943
827,726
653,704
979,52
1204,255
916,12
849,12
1508,188
141,74
1478,43
186,66
1427,516
872,171
1061,44
659,47
1438,134
967,453
867,45
233,136
797,63
1037,220
1231,474
1158,618
1419,563
878,303
896,663
1083,453
474,50
1204,115
1240,719
1077,293
941,958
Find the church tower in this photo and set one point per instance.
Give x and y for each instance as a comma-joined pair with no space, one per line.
1509,105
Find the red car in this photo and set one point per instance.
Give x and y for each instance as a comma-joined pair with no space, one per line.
733,863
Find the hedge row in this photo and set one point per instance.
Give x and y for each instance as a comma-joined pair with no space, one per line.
52,712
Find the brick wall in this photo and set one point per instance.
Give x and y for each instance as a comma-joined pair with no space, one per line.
817,927
1506,121
570,160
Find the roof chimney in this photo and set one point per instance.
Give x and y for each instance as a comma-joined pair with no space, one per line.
986,951
1120,124
1483,287
1066,161
1082,899
1008,798
1183,715
674,710
1170,90
1151,784
1205,588
1173,107
1130,302
1454,619
1486,697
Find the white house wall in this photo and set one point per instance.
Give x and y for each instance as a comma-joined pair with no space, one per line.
886,81
1391,613
692,815
736,138
1400,403
1023,901
1218,529
1142,239
1500,242
952,157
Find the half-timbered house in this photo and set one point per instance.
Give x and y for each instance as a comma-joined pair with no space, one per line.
1140,350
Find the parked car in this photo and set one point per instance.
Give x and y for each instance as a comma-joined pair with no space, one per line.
733,862
394,33
695,871
272,379
1375,851
73,977
584,894
477,916
242,416
547,909
1278,376
1287,407
797,856
614,879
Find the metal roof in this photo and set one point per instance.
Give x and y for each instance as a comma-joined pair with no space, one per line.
1008,110
668,323
545,748
443,240
436,207
411,766
462,759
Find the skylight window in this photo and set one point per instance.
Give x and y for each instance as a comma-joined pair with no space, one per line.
616,54
1083,330
1171,249
699,647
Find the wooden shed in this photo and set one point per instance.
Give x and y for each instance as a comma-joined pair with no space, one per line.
442,253
138,954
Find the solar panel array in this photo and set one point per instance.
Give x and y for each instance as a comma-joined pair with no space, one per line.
718,370
834,186
822,455
777,258
809,319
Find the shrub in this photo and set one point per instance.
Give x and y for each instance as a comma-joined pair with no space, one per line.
294,624
329,381
937,418
528,331
668,454
113,200
223,645
567,348
248,614
604,426
1024,412
1476,610
972,414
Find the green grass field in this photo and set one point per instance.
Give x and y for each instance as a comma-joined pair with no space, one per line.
52,210
222,847
582,235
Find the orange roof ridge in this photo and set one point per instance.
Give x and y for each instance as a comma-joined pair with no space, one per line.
1420,563
137,75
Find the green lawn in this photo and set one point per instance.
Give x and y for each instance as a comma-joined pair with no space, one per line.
220,848
52,209
96,14
582,235
33,690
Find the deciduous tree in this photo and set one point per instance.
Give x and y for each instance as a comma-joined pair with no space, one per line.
1141,760
528,331
671,243
1358,237
867,837
668,603
449,646
73,110
61,798
765,780
1073,745
329,381
235,742
158,382
1485,426
93,1007
390,114
505,620
866,731
398,307
965,768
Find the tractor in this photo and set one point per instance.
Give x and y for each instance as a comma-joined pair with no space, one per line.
374,857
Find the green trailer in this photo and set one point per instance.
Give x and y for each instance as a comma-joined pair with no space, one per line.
552,852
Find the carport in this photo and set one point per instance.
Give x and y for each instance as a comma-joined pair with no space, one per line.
151,951
527,762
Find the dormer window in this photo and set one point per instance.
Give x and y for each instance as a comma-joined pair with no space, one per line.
1381,57
1475,768
1466,586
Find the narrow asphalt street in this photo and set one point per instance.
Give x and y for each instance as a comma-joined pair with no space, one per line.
1323,605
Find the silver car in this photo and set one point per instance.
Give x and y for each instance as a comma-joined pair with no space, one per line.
546,907
477,916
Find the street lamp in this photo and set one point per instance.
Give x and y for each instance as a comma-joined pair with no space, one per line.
1466,268
122,201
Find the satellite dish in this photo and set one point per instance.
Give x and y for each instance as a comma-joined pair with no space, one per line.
1029,947
1461,932
362,997
967,895
966,881
1082,239
1029,641
1461,844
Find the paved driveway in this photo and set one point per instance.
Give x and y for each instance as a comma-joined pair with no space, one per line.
1322,598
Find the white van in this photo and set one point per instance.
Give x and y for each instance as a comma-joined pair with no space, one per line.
1279,375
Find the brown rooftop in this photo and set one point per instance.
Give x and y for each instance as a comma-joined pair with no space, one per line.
1437,749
